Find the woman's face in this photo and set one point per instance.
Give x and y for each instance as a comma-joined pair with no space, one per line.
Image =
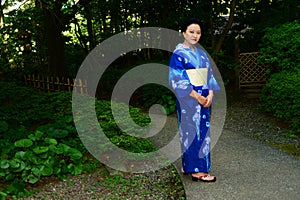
192,34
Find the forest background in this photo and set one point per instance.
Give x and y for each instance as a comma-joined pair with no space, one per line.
54,37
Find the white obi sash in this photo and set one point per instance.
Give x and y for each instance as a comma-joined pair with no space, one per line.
198,77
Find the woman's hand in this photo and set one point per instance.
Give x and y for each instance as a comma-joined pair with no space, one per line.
209,99
201,99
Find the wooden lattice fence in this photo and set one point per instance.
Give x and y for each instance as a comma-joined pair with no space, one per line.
50,84
252,76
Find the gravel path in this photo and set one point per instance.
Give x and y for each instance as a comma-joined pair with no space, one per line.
243,116
163,184
246,117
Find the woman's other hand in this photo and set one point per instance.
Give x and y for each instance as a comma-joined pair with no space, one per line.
202,100
209,99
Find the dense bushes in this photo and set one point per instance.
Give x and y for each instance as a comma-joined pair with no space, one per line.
38,137
280,47
143,97
280,50
281,96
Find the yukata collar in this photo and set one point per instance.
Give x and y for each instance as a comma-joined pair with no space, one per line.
183,46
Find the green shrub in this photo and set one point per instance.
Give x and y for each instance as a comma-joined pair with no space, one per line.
25,106
155,94
124,138
281,97
280,51
280,47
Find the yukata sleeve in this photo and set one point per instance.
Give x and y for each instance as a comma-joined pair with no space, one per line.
178,78
212,82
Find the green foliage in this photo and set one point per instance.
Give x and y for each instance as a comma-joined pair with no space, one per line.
36,156
280,47
22,43
253,17
144,97
123,138
39,139
137,185
227,65
26,36
74,58
156,94
280,50
281,97
14,99
3,126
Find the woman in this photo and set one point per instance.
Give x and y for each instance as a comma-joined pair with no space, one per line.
191,78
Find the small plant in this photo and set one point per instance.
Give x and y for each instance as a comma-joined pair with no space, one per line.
37,156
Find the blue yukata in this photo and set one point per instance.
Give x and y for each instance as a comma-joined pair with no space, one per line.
193,118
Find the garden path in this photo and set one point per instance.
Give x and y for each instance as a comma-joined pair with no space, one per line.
245,169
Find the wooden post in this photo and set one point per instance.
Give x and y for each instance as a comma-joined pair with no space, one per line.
69,85
38,83
57,83
85,87
25,78
33,79
52,83
74,85
47,84
43,83
80,86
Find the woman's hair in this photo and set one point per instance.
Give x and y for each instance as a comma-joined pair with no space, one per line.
189,22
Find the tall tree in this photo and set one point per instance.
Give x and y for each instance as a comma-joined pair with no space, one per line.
57,15
55,22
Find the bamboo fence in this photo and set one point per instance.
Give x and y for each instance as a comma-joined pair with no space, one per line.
252,75
251,72
51,84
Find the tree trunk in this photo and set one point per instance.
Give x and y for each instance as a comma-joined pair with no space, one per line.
220,42
55,44
90,27
265,6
